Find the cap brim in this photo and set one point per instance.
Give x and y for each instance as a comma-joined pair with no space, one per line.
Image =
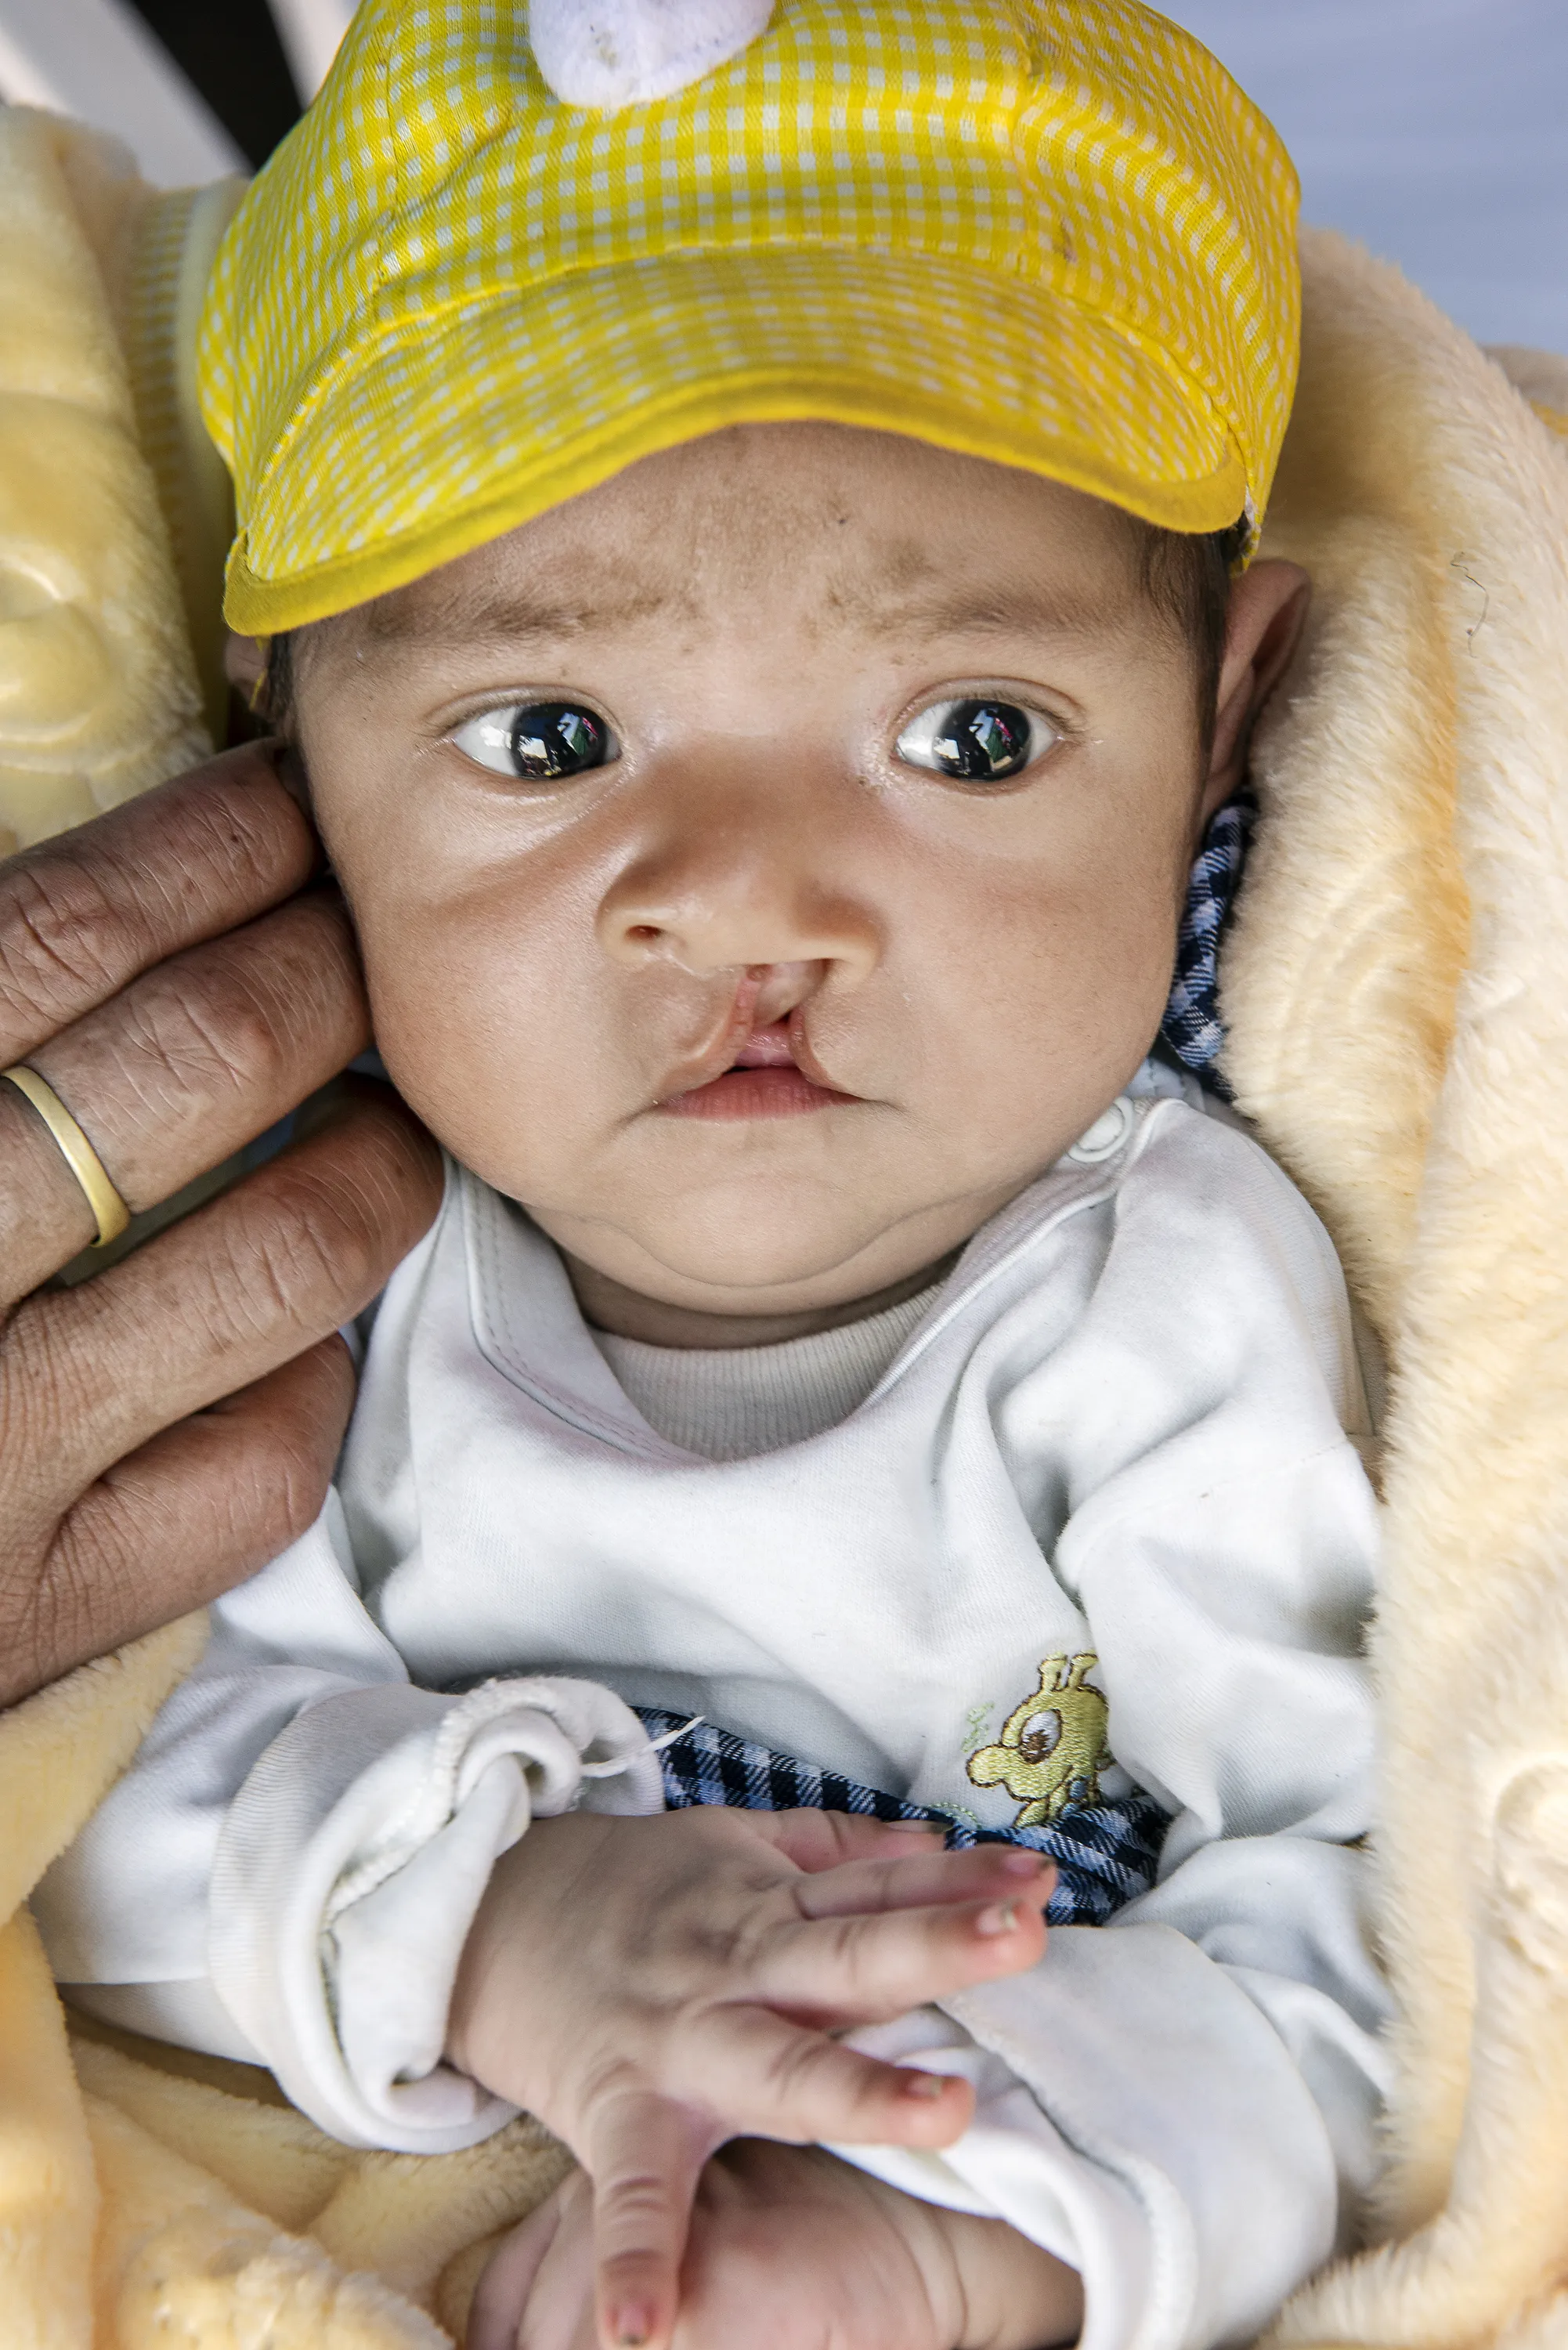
652,353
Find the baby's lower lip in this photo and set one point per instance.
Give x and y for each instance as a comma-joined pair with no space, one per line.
754,1093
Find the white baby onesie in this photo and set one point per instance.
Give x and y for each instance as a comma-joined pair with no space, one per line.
1118,1443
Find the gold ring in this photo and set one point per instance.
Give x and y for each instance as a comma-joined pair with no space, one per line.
78,1152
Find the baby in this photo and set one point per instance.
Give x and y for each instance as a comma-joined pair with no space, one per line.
852,1390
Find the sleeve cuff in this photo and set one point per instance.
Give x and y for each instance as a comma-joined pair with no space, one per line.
1140,2114
349,1869
1184,2145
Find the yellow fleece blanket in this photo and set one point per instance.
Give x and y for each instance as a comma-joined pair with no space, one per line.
1396,990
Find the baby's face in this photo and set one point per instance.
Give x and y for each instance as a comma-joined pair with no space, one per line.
767,864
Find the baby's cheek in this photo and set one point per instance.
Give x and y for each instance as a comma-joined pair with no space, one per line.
471,1045
1053,998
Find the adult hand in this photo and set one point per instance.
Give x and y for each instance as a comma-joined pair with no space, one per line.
650,1988
171,1425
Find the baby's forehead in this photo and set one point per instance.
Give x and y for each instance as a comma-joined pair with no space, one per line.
889,539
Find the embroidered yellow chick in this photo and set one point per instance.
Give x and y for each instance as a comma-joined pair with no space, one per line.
1053,1749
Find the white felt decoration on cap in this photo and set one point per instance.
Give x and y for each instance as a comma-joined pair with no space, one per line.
613,52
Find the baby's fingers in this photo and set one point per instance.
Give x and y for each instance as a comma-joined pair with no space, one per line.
645,2155
920,1879
817,1840
866,1970
782,2080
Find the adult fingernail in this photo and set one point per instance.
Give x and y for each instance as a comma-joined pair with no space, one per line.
633,2325
929,2085
1000,1918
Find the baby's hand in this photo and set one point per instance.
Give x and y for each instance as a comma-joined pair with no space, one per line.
652,1988
793,2249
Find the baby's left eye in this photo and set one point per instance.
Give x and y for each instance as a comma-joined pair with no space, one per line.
539,741
981,741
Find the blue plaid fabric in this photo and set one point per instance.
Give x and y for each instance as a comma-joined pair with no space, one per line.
1105,1853
1191,1026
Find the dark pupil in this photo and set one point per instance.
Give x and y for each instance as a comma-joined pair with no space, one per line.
555,738
984,741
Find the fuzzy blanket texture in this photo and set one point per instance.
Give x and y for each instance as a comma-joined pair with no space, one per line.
1397,991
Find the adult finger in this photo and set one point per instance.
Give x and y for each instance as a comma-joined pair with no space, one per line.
180,1070
221,1299
82,914
191,1513
645,2155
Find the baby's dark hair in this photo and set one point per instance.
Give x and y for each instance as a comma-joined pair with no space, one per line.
273,699
1185,575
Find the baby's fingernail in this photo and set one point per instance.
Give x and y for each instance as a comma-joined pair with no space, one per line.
1000,1918
924,2085
633,2325
1023,1863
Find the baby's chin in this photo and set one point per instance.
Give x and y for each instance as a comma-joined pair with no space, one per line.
797,1219
756,1260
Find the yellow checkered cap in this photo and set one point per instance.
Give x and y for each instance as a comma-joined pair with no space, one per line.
1050,232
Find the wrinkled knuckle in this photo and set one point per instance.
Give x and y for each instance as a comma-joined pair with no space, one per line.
321,917
215,1038
389,1172
291,1507
309,1445
296,1474
56,1612
224,839
50,1374
240,821
26,1661
62,936
309,1240
301,969
20,1627
240,1039
395,1142
304,1243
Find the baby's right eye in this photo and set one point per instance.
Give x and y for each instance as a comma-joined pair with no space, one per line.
539,741
980,739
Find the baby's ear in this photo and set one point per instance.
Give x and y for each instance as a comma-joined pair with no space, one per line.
1268,609
606,54
245,662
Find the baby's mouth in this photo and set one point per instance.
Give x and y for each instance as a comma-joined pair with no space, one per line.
766,1078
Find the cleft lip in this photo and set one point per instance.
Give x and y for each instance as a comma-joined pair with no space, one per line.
781,1048
807,1061
773,1047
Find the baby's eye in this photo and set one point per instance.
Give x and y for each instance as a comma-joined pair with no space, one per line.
982,741
539,741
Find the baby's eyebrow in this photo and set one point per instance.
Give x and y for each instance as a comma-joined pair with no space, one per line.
457,617
1007,608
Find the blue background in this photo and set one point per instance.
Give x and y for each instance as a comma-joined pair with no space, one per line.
1435,130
